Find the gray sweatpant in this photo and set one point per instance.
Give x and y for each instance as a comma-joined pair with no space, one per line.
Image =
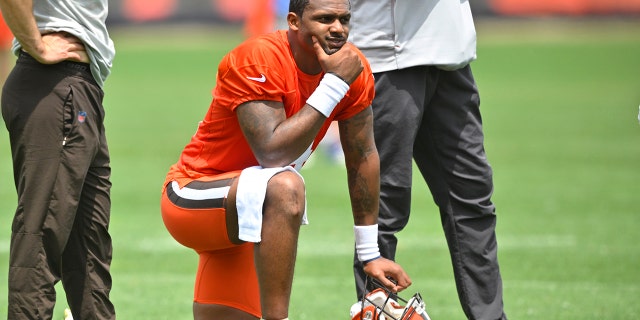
54,116
433,116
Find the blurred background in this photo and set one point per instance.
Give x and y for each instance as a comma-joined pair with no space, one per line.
560,88
235,11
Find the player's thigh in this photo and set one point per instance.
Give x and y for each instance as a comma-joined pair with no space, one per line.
195,215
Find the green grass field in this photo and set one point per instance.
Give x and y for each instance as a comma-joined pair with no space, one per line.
560,104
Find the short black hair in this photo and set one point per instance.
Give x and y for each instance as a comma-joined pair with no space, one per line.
297,6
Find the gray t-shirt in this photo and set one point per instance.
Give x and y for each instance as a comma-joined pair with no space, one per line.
84,19
398,34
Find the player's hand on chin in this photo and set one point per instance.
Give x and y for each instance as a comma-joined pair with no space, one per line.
344,63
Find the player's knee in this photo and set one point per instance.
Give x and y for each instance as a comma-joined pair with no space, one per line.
287,182
287,188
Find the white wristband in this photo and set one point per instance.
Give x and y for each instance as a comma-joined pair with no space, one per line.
366,242
328,94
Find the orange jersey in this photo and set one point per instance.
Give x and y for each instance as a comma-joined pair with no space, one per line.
261,68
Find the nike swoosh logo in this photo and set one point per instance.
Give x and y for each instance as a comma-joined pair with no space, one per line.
261,79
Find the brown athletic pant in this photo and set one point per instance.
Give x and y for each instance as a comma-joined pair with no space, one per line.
54,116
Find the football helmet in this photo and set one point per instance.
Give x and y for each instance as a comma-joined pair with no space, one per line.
382,304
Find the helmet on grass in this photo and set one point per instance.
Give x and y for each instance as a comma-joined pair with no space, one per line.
382,304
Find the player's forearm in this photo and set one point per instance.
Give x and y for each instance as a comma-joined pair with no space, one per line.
363,166
364,191
276,140
18,15
289,140
293,136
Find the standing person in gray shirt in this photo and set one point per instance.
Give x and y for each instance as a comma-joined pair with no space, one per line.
426,108
52,108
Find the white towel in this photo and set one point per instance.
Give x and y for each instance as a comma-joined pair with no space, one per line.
252,188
